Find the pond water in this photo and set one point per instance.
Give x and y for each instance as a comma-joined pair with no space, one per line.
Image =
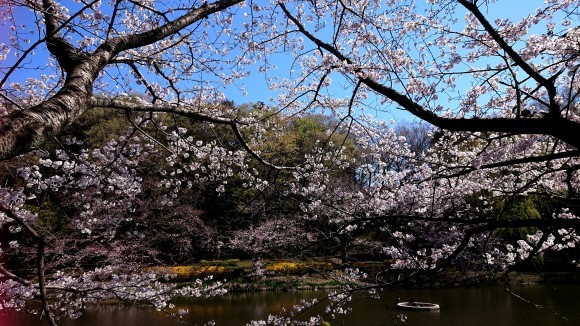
473,306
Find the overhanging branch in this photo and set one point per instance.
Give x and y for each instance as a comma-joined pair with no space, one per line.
186,111
556,126
181,109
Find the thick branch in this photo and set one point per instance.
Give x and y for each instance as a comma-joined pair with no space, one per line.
548,85
181,109
24,55
67,55
22,131
531,159
555,126
132,41
184,110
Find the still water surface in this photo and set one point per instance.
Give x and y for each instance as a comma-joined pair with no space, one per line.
474,306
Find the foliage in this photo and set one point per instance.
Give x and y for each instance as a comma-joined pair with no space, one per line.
190,273
285,268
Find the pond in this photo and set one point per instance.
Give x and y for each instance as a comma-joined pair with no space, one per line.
486,305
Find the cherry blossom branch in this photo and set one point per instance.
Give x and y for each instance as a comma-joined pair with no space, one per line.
146,134
181,109
153,10
244,144
12,215
144,81
127,42
24,130
185,110
538,246
524,160
482,224
547,84
553,125
42,40
169,80
40,261
489,225
460,248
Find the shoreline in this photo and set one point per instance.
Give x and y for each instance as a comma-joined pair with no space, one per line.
322,274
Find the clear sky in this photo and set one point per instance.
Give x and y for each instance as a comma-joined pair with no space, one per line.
255,87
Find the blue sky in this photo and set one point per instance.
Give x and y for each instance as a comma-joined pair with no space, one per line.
255,86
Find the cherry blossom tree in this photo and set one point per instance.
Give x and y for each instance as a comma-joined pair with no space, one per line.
502,92
411,57
97,48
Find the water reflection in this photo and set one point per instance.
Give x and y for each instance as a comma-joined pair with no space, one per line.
459,306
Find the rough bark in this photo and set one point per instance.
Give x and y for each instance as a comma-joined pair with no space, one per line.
24,130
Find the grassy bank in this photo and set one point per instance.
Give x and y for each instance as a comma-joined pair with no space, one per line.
278,274
327,273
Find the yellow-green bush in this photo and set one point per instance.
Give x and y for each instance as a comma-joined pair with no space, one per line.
183,273
285,267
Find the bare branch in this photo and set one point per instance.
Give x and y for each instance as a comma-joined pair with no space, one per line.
13,276
11,214
181,109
